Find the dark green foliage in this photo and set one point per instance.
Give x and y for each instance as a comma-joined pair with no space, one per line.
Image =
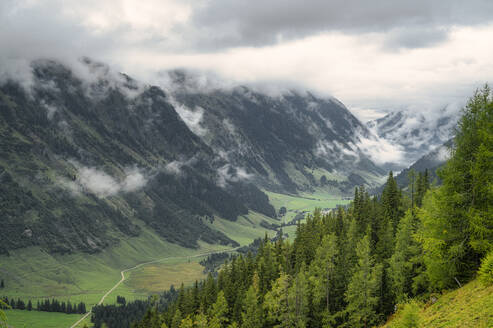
457,218
48,306
48,135
363,260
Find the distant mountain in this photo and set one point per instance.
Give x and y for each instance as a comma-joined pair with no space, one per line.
414,133
431,161
87,155
287,142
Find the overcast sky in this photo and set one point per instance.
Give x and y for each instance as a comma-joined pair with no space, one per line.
374,56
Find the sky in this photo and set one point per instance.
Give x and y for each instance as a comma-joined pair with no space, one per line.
375,56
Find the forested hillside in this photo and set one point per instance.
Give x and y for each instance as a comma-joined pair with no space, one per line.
350,268
84,154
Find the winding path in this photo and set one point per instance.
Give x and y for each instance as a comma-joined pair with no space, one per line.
142,264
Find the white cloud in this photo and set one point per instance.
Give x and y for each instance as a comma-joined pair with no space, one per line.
228,173
192,118
340,56
381,151
102,184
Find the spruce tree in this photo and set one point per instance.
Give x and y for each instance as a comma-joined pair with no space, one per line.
404,263
252,312
362,292
176,322
219,312
322,272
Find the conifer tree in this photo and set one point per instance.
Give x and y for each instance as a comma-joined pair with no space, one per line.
201,321
276,303
298,303
322,271
404,264
176,321
187,322
252,312
362,290
219,312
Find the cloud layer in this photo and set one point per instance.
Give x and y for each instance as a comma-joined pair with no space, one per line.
378,55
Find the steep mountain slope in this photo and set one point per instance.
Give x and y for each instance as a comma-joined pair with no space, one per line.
414,133
87,154
287,142
82,158
431,161
468,306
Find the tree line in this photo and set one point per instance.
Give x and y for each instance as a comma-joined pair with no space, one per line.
351,267
46,305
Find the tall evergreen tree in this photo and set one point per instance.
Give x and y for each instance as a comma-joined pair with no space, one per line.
362,292
322,272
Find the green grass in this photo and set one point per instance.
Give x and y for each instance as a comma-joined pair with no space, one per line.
36,319
33,274
468,307
304,202
245,229
160,276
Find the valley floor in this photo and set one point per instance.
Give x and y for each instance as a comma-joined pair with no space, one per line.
35,275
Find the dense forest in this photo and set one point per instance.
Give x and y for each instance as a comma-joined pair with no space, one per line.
46,305
352,267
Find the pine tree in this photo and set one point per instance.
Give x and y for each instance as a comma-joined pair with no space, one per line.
276,303
29,305
322,271
201,321
176,322
298,302
404,263
391,201
252,312
362,290
457,218
2,284
187,322
219,312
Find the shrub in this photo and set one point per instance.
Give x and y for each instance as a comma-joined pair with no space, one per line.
409,317
485,271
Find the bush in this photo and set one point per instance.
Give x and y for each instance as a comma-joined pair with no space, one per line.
485,271
409,317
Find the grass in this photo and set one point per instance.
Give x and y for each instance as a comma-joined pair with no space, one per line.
33,274
150,277
246,228
36,319
468,307
304,202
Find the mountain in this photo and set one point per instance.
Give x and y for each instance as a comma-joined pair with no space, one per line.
414,133
289,141
87,153
82,160
431,162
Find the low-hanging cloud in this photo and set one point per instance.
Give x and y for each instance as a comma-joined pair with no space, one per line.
98,182
378,55
229,173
